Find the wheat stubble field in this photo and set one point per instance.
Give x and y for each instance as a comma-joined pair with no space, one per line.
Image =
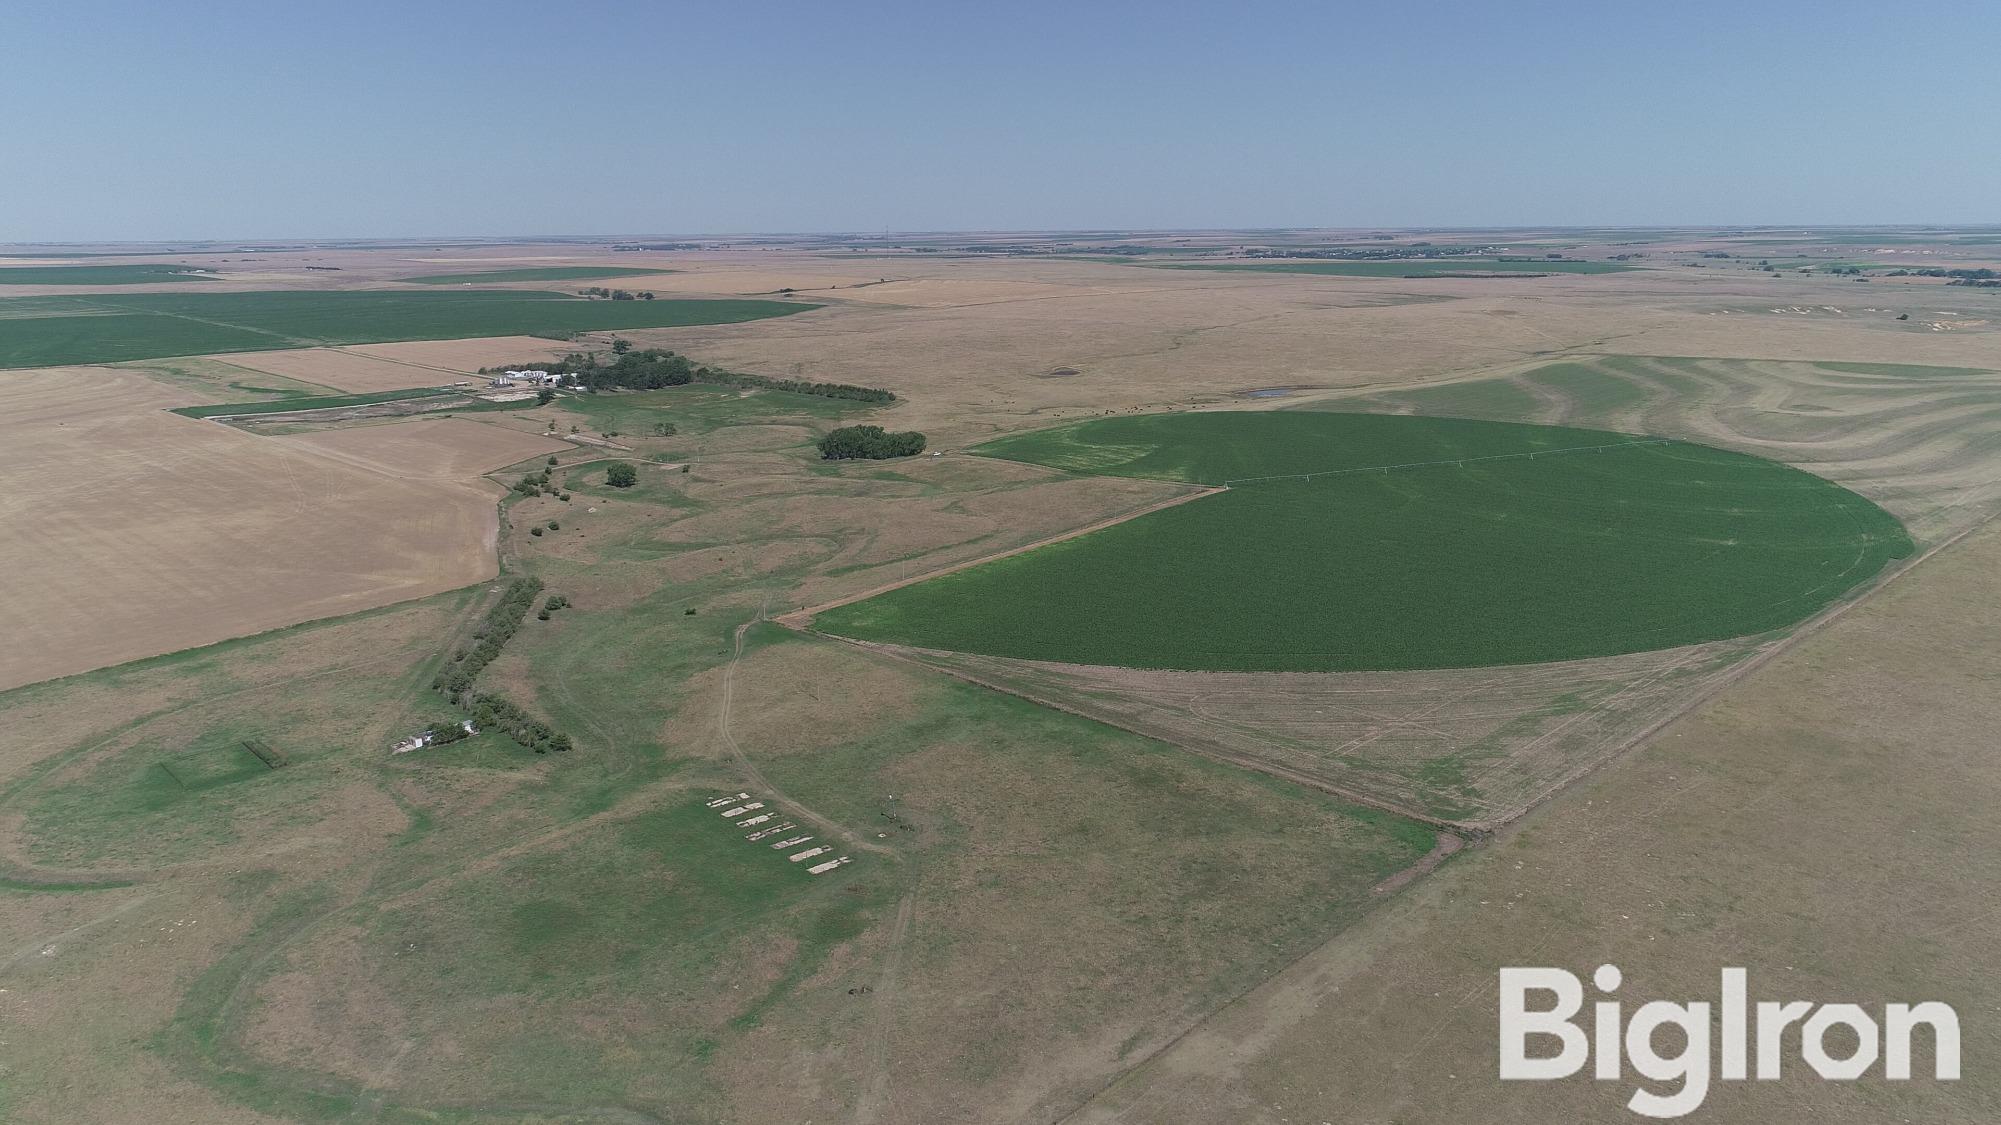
238,534
1074,891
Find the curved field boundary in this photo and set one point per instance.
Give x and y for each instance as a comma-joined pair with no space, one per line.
1656,544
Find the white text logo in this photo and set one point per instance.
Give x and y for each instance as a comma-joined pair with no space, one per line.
1745,1034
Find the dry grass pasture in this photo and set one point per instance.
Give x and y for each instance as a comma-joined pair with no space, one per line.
469,933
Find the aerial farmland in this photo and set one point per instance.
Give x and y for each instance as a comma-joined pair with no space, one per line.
591,742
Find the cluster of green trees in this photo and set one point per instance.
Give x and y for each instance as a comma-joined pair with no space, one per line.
869,442
1982,274
554,602
621,474
534,484
643,369
650,369
795,386
491,711
444,732
614,294
492,633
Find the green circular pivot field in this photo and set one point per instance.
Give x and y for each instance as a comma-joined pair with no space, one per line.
1350,542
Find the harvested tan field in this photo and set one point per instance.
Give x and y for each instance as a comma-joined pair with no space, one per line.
746,282
459,358
428,449
939,292
1156,339
341,369
1823,824
239,533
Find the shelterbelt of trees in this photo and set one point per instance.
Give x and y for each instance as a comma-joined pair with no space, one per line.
653,368
490,709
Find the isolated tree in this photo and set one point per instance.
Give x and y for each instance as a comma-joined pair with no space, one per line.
620,347
544,397
621,474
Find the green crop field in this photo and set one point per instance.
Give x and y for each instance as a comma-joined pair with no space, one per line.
97,275
1480,543
51,331
1413,267
539,273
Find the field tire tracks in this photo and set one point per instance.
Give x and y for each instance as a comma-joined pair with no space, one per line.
749,768
869,1108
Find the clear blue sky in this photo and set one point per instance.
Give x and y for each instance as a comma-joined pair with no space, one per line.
148,120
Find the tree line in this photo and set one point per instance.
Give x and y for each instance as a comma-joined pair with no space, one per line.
490,710
492,633
614,294
870,443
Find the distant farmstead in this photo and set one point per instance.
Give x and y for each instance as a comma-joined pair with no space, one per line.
531,376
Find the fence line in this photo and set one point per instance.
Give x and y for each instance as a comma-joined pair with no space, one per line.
1453,461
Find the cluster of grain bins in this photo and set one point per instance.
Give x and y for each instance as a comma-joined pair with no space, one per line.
772,830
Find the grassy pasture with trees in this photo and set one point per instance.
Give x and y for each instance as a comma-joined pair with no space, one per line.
1483,543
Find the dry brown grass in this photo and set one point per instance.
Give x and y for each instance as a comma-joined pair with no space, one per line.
1467,748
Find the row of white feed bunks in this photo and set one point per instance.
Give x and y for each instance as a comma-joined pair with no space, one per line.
775,832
